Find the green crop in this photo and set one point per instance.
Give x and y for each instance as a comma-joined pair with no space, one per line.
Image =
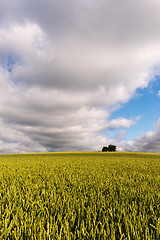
80,195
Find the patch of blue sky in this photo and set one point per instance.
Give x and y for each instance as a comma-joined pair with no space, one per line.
146,105
8,63
11,62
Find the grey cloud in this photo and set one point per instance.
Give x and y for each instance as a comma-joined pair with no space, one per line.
13,140
149,142
125,22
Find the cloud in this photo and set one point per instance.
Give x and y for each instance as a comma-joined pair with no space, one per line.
65,64
148,142
120,122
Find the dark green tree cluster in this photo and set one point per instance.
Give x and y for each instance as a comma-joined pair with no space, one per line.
110,148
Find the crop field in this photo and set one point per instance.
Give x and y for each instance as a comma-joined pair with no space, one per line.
80,195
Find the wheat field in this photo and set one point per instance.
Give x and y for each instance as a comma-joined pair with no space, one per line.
80,195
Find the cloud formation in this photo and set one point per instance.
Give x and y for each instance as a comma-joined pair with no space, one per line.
149,142
64,65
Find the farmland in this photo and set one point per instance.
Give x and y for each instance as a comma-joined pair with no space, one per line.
80,195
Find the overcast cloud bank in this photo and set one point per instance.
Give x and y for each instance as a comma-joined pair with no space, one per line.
66,65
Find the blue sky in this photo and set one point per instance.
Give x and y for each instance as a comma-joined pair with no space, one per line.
79,75
144,106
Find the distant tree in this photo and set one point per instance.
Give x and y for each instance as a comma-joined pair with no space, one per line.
111,148
105,149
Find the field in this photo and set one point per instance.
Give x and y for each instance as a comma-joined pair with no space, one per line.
80,195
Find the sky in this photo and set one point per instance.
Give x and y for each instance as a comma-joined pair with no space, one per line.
77,75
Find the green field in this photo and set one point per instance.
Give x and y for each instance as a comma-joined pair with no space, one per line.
80,195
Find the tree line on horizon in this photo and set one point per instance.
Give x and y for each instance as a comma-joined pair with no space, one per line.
110,148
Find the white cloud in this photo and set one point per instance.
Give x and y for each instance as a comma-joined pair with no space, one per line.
65,64
120,122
